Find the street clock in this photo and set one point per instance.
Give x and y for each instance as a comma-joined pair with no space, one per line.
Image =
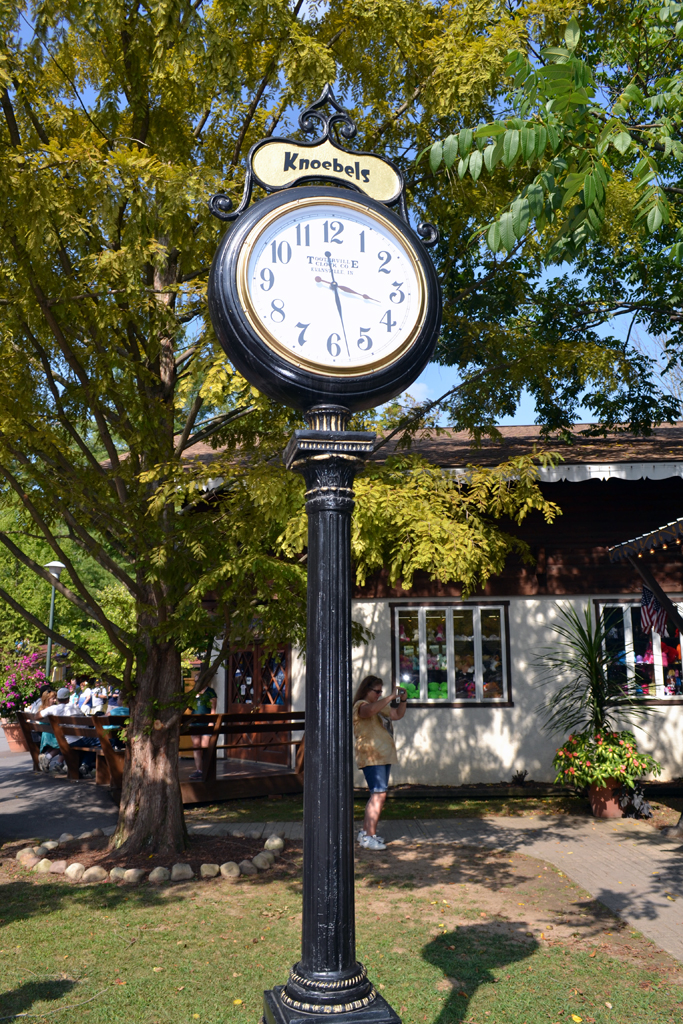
324,294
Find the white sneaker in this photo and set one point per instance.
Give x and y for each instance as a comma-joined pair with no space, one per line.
362,832
371,842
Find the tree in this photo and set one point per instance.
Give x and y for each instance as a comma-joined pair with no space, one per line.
588,152
118,122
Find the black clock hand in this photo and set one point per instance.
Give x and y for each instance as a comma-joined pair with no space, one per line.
335,287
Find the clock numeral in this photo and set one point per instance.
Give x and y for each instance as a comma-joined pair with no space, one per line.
277,314
364,343
332,347
401,296
386,260
302,340
307,234
281,252
337,228
268,277
386,319
362,241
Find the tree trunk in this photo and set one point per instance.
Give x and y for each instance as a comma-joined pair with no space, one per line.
151,810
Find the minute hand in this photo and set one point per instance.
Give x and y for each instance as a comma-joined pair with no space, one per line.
345,288
335,288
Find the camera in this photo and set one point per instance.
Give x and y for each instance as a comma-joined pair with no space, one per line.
396,703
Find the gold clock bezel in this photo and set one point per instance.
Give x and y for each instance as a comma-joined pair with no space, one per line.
271,341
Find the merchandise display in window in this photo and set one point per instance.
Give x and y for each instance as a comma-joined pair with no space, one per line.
437,656
492,652
648,664
451,653
463,645
409,653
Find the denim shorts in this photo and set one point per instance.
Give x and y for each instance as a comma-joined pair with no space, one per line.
377,777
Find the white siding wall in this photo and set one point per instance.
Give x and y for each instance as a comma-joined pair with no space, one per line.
454,746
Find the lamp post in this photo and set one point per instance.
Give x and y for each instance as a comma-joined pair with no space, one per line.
55,569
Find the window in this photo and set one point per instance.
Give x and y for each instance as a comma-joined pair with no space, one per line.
652,664
451,653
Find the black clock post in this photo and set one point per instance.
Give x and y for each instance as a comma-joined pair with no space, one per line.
327,981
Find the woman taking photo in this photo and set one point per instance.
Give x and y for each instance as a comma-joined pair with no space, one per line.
375,749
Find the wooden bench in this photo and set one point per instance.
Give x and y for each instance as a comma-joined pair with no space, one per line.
239,724
237,731
31,723
93,727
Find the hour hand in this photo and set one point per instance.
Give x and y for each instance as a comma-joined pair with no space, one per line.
345,288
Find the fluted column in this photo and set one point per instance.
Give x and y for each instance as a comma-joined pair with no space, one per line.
328,980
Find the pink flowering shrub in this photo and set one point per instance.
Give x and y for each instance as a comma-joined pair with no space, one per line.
587,759
21,676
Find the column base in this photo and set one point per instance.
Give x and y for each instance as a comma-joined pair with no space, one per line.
277,1012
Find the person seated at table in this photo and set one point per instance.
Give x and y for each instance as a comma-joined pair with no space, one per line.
202,703
49,748
114,710
81,743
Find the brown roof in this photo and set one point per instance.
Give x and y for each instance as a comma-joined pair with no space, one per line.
456,448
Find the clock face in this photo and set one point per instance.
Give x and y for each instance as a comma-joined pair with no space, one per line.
332,286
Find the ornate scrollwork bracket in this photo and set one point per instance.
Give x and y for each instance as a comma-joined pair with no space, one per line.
340,119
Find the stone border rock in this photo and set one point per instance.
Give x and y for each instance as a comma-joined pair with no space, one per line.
33,858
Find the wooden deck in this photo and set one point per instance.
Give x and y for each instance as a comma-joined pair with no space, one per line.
236,779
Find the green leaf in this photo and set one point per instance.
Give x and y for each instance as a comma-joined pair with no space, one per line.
510,147
589,190
496,128
541,140
622,142
493,153
435,154
676,252
507,231
572,34
493,237
558,53
654,219
554,137
465,141
520,217
632,94
476,162
528,141
450,150
573,184
462,167
535,197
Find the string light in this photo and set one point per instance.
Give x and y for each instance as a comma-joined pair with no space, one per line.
652,551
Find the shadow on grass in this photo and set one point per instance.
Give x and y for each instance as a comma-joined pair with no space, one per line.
471,956
20,1000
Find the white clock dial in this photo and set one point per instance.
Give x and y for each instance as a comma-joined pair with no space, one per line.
332,286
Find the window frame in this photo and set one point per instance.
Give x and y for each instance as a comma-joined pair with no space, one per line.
600,605
424,606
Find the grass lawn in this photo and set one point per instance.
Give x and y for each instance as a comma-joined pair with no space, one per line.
290,808
449,934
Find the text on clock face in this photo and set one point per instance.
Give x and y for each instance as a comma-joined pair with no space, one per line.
336,286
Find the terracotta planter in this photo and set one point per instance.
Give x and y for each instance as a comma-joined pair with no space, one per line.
604,801
14,736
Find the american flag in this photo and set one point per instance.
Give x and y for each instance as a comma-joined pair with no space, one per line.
652,615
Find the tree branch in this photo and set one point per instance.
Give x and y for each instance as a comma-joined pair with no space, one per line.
59,639
215,425
189,423
12,127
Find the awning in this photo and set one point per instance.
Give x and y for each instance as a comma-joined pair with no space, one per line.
659,538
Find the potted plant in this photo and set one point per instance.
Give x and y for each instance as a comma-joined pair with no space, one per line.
588,705
20,680
603,763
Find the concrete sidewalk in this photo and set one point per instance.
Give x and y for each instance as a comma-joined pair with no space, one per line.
627,865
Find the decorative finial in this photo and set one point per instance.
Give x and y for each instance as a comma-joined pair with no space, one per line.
313,118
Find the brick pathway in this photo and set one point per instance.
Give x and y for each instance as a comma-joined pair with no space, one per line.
626,864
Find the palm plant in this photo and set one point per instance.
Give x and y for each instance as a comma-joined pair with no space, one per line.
596,692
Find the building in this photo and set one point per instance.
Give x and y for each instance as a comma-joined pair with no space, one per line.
470,666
